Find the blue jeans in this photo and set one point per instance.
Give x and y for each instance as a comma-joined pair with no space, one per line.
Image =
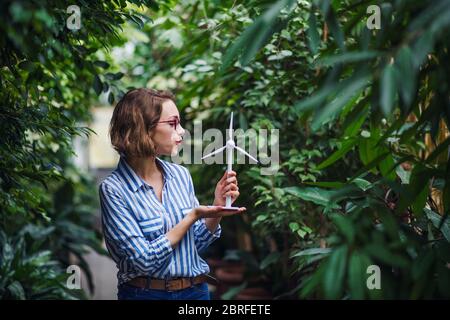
196,292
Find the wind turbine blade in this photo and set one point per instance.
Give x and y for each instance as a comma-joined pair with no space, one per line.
230,135
215,152
246,153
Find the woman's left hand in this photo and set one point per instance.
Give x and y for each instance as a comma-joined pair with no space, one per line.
227,185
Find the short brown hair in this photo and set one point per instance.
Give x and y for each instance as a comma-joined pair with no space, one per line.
133,118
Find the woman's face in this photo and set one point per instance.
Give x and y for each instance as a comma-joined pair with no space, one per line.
167,136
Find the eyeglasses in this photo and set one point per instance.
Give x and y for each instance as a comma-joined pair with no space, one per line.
173,123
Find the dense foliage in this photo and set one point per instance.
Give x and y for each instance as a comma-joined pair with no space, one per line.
363,118
363,115
49,77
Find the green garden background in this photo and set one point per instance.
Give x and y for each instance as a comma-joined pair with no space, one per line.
363,115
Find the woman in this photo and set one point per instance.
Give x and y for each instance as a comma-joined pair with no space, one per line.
153,224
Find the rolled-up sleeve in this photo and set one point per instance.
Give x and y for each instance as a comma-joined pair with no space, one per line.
203,236
124,235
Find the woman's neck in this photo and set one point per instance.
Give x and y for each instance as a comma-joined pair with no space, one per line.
146,167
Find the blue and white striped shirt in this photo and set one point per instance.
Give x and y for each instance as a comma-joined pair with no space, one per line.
135,223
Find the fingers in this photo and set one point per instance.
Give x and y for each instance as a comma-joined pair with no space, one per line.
231,173
218,211
231,187
227,175
233,194
226,213
231,180
214,209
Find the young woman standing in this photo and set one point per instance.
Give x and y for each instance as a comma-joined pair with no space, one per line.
153,224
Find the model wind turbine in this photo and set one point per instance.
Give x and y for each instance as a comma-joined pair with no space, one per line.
230,146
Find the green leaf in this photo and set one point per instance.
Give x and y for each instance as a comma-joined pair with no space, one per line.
335,273
255,36
421,266
39,259
382,253
349,88
313,34
426,16
346,227
326,184
294,226
7,255
372,164
111,98
233,291
270,259
16,291
105,87
335,28
420,200
98,86
418,189
403,174
301,233
261,217
313,251
406,77
388,89
137,20
102,64
436,220
114,76
354,120
311,283
347,145
362,184
357,276
315,195
27,65
387,168
348,57
313,101
441,148
422,47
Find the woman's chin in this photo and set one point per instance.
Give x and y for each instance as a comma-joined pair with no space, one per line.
175,150
170,152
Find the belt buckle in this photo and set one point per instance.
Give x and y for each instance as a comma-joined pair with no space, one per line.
169,283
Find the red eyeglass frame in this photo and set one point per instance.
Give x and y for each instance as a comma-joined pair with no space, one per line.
176,120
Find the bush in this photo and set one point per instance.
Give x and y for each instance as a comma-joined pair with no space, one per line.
49,77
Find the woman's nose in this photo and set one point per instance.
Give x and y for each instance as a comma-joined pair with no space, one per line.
180,130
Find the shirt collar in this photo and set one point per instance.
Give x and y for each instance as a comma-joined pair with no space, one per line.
133,181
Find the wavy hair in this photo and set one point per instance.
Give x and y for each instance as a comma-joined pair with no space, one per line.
134,116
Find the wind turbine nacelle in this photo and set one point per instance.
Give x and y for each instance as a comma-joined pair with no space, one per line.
230,144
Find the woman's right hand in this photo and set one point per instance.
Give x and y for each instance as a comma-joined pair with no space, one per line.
215,212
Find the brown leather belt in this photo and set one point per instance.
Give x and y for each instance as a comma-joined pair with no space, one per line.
173,284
